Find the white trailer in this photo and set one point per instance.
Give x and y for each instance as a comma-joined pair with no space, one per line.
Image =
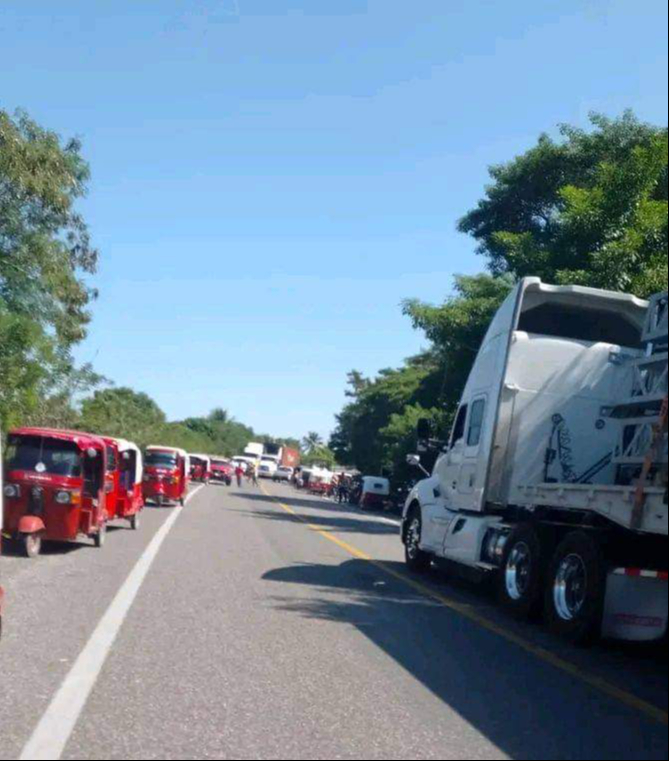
555,475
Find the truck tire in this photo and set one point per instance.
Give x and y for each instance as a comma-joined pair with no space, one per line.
416,560
521,580
575,589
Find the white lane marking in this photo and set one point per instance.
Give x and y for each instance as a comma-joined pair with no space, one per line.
51,735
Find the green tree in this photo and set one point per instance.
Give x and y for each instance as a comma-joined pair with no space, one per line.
320,456
589,209
45,257
124,413
312,441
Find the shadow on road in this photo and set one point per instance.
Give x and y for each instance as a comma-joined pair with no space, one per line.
14,549
343,524
524,706
319,504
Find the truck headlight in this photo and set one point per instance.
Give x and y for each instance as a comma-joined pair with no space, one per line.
12,491
63,498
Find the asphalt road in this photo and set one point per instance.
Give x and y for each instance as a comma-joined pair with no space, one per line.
271,631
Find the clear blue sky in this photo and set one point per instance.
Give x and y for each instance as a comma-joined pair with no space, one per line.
272,177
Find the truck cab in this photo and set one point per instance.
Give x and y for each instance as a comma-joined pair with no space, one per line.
536,445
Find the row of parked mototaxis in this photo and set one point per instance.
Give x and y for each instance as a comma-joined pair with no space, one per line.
64,486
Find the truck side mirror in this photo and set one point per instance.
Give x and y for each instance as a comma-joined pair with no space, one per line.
91,453
413,460
424,429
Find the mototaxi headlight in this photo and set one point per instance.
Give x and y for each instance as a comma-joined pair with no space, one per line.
12,491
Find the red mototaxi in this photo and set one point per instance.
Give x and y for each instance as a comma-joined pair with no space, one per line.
125,470
200,470
54,487
166,475
2,591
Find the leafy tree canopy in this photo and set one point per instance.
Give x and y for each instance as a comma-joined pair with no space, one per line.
45,256
589,209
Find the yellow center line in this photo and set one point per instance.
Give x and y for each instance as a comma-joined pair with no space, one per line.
466,611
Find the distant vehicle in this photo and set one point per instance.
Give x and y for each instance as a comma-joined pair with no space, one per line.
166,475
222,471
200,468
2,489
375,493
254,450
284,473
268,466
55,487
290,458
555,476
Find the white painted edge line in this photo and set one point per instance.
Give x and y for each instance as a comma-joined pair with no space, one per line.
55,728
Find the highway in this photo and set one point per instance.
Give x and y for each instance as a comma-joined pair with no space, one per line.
267,624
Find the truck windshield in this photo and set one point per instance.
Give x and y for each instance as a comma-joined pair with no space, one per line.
161,460
35,454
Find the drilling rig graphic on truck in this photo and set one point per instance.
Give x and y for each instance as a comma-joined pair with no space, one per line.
554,479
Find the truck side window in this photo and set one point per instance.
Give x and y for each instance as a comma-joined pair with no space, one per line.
459,427
476,423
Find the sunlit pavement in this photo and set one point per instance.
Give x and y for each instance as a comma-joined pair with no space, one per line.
270,631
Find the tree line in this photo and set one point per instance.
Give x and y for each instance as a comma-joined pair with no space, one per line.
589,208
47,261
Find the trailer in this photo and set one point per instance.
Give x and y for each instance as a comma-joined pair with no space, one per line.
554,479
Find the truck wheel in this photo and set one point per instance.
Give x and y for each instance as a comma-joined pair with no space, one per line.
31,544
100,538
416,560
576,589
522,575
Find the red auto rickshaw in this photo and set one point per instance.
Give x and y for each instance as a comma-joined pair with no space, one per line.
112,476
125,479
200,468
55,487
2,489
166,475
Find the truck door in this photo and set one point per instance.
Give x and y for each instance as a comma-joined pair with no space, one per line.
472,471
439,516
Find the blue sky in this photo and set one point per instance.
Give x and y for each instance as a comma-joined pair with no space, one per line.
271,178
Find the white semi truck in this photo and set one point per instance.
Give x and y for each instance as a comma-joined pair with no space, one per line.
554,479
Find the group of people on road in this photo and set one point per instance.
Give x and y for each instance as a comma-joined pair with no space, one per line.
250,472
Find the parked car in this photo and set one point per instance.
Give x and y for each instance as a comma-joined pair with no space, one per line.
284,473
222,471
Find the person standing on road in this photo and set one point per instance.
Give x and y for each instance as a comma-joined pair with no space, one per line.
253,475
239,472
342,490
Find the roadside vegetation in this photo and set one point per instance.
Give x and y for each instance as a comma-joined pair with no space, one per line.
589,208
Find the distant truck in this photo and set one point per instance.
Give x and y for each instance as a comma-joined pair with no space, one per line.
290,458
254,450
554,480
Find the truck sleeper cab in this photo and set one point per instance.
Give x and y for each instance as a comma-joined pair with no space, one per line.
54,488
533,485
